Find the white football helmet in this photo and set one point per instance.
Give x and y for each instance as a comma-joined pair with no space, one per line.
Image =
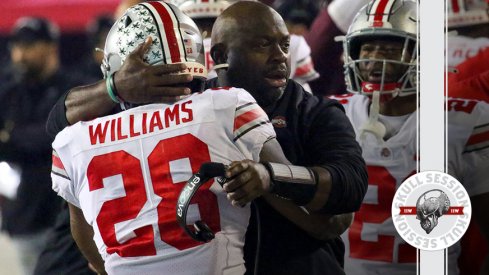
176,39
392,19
462,13
197,9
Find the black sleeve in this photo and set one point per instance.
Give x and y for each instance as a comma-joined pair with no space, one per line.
61,254
57,117
331,143
27,141
30,139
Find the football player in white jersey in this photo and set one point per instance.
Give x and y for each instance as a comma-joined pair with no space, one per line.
301,65
122,174
380,68
204,13
467,52
470,19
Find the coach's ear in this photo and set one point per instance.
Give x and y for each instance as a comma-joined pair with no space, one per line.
219,54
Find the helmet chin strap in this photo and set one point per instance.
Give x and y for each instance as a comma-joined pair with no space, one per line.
220,66
373,125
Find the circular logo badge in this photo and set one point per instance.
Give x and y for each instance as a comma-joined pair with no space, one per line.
279,122
431,210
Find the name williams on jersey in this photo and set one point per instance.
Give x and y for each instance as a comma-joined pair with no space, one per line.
141,123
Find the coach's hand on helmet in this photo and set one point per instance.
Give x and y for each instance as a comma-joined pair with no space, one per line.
139,82
247,180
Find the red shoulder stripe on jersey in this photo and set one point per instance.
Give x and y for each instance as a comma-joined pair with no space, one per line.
247,129
57,162
479,139
304,69
58,168
247,118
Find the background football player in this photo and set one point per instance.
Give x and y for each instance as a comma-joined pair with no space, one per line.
380,68
468,77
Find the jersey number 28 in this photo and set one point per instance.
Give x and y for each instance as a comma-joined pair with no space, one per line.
383,248
115,211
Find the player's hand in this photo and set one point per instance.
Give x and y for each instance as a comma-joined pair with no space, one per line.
247,181
139,82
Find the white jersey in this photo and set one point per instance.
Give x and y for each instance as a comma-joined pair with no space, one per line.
125,172
372,244
460,48
301,66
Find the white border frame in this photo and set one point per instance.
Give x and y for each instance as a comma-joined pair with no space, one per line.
431,115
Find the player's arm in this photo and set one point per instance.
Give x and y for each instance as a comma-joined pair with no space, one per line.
319,226
338,163
136,82
253,174
83,235
335,185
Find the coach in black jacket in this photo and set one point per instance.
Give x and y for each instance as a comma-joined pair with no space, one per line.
250,41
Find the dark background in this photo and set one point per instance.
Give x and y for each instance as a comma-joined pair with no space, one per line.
73,48
71,16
